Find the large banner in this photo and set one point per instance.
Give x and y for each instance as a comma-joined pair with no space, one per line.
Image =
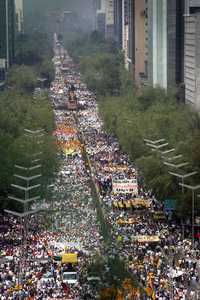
125,186
146,238
116,168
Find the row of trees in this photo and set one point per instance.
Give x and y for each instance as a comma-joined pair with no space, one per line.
20,110
33,61
17,112
155,114
133,116
101,64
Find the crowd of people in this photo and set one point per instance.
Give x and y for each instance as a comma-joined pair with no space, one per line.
152,247
31,265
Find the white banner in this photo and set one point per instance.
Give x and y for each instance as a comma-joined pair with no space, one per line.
125,186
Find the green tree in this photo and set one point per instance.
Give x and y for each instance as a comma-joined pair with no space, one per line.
101,73
19,111
33,48
22,78
46,70
154,113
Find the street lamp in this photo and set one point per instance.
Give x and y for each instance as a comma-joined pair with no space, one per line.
176,166
157,147
198,219
193,188
49,187
27,187
154,142
172,158
41,80
183,177
167,151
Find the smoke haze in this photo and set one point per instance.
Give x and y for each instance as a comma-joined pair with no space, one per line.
37,10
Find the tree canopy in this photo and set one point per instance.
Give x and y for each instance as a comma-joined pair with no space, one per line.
22,78
20,110
154,114
101,64
17,112
33,59
33,48
133,116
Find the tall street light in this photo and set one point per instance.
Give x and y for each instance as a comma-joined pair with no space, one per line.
172,158
176,166
157,147
183,177
26,192
168,151
193,188
198,218
162,153
154,142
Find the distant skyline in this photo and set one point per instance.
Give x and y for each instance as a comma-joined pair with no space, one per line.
80,6
36,10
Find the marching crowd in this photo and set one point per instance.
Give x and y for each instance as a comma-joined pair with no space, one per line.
164,263
29,268
154,249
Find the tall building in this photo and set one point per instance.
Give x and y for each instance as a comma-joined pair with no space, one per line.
101,18
127,32
140,35
94,14
19,9
7,35
118,22
123,28
192,53
109,9
101,23
165,42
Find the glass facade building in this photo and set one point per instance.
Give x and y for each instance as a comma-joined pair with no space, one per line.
7,32
166,42
192,53
118,22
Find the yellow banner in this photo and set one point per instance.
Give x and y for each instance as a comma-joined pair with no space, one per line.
147,238
69,258
129,221
132,203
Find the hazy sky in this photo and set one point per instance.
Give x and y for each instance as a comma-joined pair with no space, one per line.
35,9
81,6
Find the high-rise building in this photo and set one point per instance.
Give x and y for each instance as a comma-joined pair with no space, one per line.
19,15
140,35
94,14
127,32
7,35
124,29
101,23
165,42
101,18
109,9
118,22
129,16
192,53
